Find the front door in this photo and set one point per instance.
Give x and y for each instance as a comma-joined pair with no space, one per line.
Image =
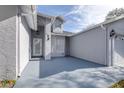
37,47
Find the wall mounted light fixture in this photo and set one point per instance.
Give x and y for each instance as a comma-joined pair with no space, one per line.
48,37
112,33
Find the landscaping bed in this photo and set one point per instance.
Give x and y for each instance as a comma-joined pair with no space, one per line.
119,84
7,83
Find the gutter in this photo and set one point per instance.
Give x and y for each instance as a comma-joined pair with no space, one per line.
103,23
60,34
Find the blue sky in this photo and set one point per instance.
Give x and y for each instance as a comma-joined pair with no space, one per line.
78,17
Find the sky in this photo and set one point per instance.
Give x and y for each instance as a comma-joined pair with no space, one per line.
78,17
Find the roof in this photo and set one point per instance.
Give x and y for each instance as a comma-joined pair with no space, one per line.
49,16
61,18
44,15
100,24
29,11
65,33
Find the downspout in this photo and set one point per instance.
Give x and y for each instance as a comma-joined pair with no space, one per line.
18,42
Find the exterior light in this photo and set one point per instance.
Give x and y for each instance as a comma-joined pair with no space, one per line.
112,33
48,37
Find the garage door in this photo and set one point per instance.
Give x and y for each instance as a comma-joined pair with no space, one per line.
58,46
118,52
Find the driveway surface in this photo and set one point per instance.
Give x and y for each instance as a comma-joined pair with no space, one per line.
68,72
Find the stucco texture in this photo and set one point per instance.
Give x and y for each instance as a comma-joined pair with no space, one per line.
90,45
8,48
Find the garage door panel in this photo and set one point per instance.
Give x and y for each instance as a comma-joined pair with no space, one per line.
58,46
119,52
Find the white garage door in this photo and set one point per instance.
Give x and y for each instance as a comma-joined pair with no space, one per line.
118,52
58,46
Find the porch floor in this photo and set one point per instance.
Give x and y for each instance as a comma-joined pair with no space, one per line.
68,72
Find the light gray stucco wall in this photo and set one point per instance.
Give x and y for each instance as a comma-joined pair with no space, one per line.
8,48
46,22
24,43
7,42
47,41
89,45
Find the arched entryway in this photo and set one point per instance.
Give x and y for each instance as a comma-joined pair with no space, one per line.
117,49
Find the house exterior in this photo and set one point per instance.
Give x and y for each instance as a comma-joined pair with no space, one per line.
95,44
102,43
50,38
16,23
27,35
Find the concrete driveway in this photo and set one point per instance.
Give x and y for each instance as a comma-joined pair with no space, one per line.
68,72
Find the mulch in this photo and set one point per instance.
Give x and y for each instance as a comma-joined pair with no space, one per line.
7,83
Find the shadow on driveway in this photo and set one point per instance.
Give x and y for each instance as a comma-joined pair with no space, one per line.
58,65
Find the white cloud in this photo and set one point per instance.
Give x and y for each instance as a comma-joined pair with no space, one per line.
75,10
77,19
89,14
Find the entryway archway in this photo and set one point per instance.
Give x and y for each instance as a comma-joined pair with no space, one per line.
118,52
117,48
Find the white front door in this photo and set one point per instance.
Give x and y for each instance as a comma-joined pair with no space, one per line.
37,47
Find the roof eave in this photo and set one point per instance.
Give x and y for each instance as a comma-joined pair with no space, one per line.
97,25
31,15
44,15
